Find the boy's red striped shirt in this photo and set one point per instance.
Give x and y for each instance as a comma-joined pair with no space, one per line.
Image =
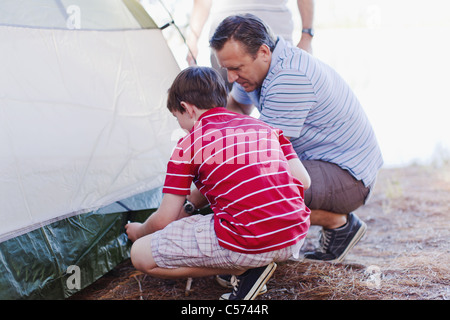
240,164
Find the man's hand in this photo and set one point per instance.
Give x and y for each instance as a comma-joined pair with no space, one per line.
237,107
305,44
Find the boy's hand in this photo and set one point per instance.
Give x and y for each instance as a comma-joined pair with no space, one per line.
169,211
134,230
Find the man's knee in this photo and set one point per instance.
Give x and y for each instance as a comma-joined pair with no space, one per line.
141,255
333,189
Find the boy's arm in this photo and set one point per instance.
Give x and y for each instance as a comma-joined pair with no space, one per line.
299,171
169,211
296,166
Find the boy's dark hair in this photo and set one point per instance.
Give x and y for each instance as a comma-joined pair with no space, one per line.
203,87
248,29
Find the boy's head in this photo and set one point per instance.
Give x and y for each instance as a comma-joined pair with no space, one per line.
200,86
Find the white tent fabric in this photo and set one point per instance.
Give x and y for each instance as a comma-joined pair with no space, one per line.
83,121
69,14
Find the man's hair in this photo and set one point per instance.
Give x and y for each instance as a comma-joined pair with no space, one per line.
203,87
248,29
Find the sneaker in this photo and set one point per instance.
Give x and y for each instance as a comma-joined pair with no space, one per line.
336,243
248,285
225,281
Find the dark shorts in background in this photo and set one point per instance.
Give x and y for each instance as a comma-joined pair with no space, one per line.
333,188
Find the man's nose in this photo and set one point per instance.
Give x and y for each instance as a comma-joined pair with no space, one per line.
232,76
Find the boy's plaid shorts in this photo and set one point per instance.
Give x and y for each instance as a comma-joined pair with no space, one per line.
192,242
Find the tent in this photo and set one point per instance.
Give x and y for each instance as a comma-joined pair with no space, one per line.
84,138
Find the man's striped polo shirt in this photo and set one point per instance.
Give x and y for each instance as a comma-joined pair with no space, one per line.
314,106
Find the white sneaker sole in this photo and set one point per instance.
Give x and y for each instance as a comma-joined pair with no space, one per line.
257,287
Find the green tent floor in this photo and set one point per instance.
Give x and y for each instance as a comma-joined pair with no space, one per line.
59,259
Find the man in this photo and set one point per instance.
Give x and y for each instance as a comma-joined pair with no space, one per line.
313,105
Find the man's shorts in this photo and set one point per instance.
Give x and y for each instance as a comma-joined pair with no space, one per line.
192,242
333,188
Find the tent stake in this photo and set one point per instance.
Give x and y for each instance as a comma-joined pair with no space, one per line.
188,287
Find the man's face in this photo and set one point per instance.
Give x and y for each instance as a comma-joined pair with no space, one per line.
245,69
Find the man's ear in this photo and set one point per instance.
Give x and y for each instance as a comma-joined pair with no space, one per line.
265,52
189,108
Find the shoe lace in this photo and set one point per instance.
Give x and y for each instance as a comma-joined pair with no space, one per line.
235,283
325,238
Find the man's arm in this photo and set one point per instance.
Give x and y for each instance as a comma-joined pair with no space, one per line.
237,107
170,210
199,15
197,198
306,9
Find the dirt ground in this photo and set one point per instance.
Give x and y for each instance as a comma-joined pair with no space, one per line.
405,254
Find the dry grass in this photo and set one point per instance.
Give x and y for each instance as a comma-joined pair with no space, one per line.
404,255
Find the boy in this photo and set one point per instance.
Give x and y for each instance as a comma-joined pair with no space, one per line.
251,178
